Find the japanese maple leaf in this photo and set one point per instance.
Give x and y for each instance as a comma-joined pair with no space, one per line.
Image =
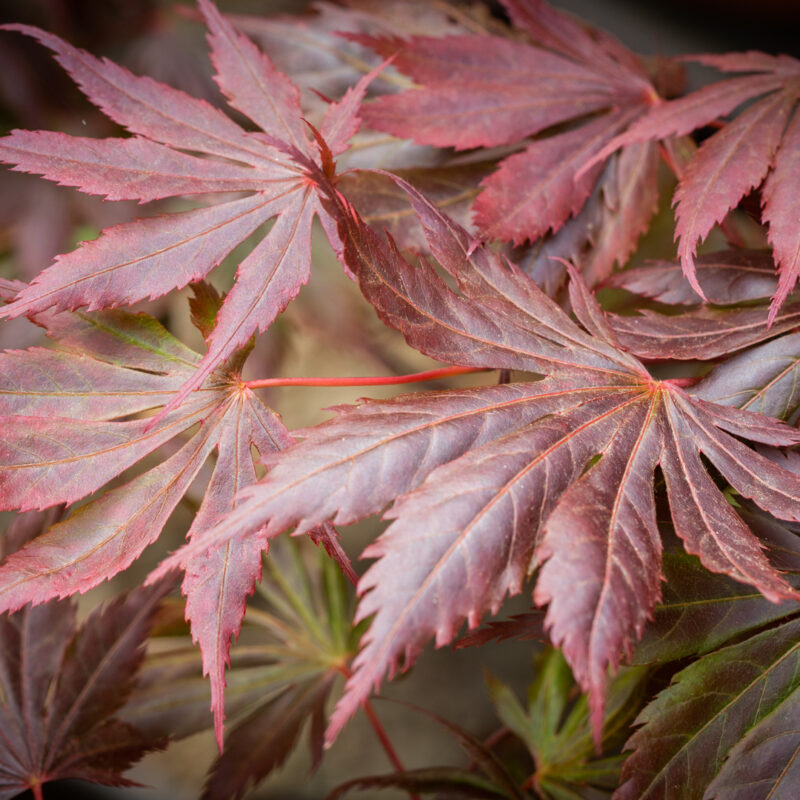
182,146
60,687
727,726
762,142
736,316
761,371
489,482
71,421
484,91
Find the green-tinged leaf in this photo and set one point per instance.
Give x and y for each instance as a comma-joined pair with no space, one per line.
691,727
297,638
700,611
557,730
766,763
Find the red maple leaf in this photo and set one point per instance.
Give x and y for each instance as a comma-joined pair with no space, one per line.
67,423
489,483
184,146
573,89
759,145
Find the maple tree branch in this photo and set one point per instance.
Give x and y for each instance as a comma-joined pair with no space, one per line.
377,380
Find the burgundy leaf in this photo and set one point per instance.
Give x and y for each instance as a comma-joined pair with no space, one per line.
104,537
61,686
484,91
726,167
63,445
263,740
149,108
148,258
755,145
469,509
781,208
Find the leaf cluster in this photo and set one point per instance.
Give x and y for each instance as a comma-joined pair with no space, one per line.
636,459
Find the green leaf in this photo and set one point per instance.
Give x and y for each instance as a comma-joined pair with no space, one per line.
690,728
700,611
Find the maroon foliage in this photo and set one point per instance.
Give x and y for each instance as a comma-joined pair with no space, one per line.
61,686
500,478
636,464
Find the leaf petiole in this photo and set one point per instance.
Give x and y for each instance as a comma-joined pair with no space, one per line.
377,380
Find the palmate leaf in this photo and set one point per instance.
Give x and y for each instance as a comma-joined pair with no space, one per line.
760,145
67,423
61,686
483,91
180,146
491,481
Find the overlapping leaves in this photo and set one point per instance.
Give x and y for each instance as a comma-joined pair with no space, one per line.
184,146
760,378
759,145
489,482
72,420
297,640
61,686
573,90
726,727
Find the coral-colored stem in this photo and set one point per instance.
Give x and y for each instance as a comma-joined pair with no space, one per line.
37,791
385,380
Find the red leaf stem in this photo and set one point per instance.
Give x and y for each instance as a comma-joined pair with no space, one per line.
376,380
